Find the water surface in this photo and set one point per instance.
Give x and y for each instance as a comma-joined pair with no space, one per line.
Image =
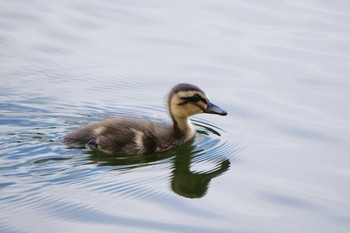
279,162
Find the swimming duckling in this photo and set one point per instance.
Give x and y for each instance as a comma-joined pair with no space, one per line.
133,136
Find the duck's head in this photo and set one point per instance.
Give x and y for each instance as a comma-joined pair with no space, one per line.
186,100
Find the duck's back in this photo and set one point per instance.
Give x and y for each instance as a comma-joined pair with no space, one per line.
126,136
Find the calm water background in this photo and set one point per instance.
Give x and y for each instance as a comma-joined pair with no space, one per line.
279,162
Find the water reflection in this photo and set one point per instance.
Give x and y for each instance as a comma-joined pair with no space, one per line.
183,181
193,184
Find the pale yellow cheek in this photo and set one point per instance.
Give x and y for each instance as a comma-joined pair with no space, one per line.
191,109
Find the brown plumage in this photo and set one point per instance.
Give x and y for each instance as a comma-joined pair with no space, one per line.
133,136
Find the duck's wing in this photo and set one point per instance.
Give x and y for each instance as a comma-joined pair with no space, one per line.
117,136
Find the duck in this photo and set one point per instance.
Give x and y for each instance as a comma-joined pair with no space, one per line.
132,136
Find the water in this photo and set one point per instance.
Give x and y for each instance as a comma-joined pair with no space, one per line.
279,162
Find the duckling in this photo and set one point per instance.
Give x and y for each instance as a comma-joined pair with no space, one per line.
133,136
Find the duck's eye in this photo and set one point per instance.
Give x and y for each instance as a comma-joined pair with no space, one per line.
195,98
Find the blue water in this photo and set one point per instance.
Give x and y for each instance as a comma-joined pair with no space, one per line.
279,162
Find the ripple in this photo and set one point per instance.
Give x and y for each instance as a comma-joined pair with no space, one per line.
32,151
4,185
113,13
248,126
67,210
208,148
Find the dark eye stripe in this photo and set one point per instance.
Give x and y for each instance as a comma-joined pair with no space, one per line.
195,99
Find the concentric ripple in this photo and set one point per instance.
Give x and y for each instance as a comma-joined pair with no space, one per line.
44,175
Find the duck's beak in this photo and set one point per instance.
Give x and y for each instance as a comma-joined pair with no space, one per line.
214,109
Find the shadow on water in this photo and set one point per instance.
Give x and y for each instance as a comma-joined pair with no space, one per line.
184,182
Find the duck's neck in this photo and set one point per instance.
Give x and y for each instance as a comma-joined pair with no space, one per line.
184,126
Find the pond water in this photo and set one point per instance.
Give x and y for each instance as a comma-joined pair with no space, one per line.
278,162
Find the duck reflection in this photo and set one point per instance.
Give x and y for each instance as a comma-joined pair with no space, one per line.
184,182
193,184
